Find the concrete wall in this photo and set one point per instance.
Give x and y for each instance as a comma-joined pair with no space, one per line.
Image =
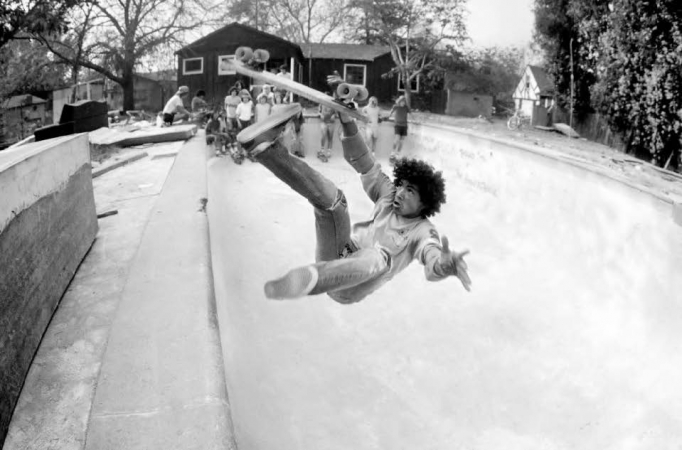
47,224
569,338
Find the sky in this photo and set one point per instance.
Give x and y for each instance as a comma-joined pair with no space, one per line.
500,22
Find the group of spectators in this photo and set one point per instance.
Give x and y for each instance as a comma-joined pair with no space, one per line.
239,111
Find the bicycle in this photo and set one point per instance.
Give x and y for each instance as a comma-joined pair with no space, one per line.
518,120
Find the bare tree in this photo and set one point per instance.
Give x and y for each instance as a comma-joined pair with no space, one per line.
304,21
121,33
414,30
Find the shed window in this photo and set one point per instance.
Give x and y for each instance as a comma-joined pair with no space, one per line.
414,84
223,68
191,66
355,73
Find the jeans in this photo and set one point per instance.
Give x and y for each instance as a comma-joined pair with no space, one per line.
339,263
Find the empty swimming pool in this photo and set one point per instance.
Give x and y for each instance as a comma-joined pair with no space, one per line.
570,338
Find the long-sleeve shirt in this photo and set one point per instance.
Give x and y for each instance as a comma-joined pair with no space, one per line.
403,239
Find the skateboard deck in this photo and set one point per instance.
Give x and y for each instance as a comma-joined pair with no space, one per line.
297,88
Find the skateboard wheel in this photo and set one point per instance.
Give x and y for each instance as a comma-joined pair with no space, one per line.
243,54
261,55
363,93
346,91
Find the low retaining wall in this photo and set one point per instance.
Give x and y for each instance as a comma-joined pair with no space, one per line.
47,224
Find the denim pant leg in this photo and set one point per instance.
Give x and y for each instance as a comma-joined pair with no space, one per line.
332,230
361,266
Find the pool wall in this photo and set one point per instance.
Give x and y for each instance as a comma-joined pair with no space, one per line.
569,339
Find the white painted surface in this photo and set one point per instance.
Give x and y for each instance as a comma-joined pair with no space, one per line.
32,171
570,339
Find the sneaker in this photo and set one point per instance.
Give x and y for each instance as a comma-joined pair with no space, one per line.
261,135
297,283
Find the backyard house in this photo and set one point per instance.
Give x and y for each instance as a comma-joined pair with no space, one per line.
22,114
356,63
199,63
151,92
534,95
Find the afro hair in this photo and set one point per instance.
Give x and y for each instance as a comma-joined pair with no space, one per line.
428,181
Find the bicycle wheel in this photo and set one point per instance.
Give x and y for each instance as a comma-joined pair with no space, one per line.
514,123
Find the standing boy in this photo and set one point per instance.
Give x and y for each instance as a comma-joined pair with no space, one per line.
327,127
401,111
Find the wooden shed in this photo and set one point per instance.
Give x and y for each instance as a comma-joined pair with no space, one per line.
534,95
199,63
356,63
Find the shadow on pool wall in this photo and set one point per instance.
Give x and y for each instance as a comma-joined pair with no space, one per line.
569,339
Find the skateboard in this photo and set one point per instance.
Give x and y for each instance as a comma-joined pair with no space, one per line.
345,92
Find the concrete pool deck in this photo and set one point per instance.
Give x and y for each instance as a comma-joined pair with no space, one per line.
119,366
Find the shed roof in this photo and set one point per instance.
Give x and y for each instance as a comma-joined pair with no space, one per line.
220,31
344,51
542,79
22,100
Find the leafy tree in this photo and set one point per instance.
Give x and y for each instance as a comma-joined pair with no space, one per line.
124,33
415,30
636,53
19,17
557,34
28,67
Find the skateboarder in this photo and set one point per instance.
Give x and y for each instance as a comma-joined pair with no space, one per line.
350,267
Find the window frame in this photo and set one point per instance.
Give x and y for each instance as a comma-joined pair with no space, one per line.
401,86
364,72
222,72
192,72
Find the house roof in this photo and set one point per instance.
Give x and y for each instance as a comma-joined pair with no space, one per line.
542,79
232,25
22,100
344,51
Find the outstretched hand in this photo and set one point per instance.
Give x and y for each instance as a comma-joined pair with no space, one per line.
452,263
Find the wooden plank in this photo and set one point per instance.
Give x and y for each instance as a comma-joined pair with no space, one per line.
126,137
565,129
